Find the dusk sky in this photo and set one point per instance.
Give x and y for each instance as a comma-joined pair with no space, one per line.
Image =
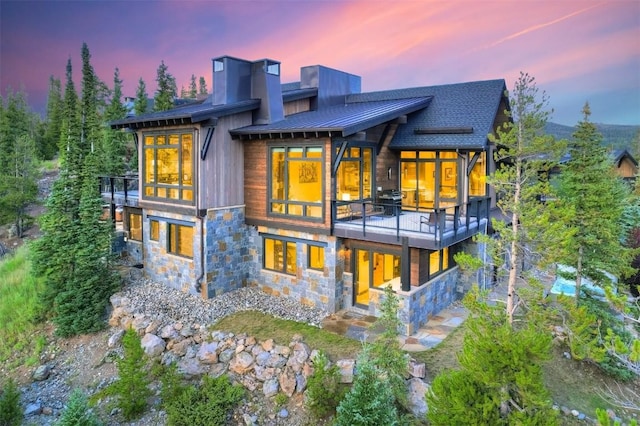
578,51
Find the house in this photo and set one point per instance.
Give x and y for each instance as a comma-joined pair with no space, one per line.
625,165
313,190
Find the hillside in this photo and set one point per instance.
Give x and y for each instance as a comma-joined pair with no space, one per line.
614,135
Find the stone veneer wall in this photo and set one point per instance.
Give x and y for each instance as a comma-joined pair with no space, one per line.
230,251
172,270
320,289
420,303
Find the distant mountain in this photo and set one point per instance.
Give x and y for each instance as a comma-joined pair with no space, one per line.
614,135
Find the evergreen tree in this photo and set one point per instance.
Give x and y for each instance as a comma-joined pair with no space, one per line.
49,146
183,93
167,90
131,388
193,88
18,166
89,117
370,401
500,381
140,103
202,86
77,412
524,155
10,410
114,142
596,198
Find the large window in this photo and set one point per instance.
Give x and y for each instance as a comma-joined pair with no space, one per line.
168,166
439,262
280,256
296,181
429,179
374,269
180,239
354,180
135,226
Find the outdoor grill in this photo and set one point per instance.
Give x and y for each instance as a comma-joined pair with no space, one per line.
392,200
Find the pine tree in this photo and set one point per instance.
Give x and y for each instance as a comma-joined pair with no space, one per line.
370,401
131,388
597,198
115,142
140,103
49,146
524,155
167,89
193,89
18,166
77,412
202,86
500,380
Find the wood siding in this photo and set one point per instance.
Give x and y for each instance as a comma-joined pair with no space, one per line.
256,179
221,177
294,107
627,169
387,159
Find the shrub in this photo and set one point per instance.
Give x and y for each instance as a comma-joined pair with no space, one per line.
324,391
131,389
10,412
78,412
209,405
370,401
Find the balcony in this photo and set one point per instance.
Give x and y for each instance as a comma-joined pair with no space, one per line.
120,190
430,229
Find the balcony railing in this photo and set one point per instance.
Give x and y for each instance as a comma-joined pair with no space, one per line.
384,222
120,190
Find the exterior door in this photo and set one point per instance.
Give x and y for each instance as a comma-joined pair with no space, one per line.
362,278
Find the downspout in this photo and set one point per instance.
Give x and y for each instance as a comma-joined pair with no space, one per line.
202,249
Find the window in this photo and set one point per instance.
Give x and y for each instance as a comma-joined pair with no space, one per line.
168,167
180,239
478,178
439,262
316,257
429,179
354,180
280,256
296,181
374,270
135,226
154,233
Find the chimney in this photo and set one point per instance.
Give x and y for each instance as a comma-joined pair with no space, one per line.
265,85
333,85
231,80
236,80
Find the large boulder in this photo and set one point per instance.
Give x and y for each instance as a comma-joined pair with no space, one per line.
153,345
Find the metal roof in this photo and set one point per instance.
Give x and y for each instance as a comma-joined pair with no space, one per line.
192,113
339,120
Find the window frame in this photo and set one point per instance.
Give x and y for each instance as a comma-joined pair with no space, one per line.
287,204
183,189
140,230
286,242
171,225
442,268
309,256
152,232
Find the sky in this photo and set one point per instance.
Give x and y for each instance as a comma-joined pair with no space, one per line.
577,50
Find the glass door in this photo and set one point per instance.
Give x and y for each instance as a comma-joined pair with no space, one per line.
362,278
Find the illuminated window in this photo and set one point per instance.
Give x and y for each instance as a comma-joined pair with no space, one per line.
296,181
154,234
316,257
168,167
180,239
280,256
478,178
429,179
354,180
135,226
439,262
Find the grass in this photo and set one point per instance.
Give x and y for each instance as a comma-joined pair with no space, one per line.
263,327
18,306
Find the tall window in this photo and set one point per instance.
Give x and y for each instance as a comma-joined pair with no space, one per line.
316,257
478,178
296,181
354,180
374,269
154,232
439,262
135,226
429,179
180,239
168,166
280,256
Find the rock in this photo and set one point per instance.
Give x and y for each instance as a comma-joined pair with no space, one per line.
417,369
153,345
346,370
575,413
191,368
241,363
168,332
181,347
207,353
249,420
42,373
264,373
287,381
301,383
226,355
115,339
283,413
581,416
270,387
298,356
268,345
140,323
47,411
33,409
417,389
